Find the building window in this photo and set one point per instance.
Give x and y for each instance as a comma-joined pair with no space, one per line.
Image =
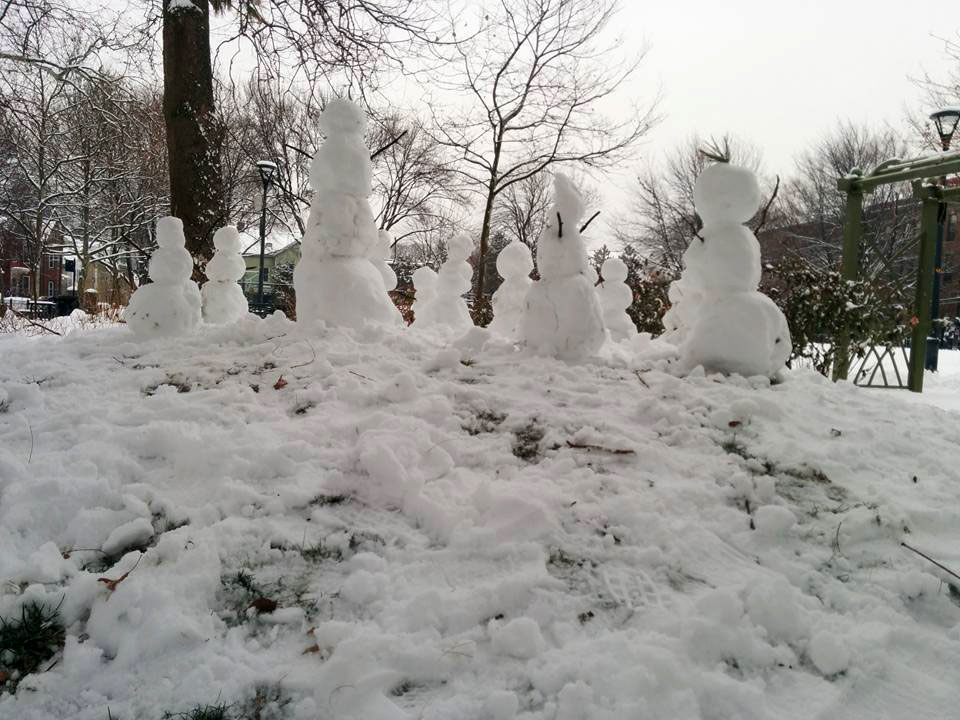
51,288
53,262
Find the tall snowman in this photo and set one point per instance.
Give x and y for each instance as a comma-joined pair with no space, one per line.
223,300
335,280
562,315
514,264
170,305
725,324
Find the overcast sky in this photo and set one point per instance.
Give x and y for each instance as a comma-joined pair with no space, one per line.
781,72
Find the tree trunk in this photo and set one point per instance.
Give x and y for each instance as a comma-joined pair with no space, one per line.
485,229
194,132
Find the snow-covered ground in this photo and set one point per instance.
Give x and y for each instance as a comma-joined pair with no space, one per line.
469,533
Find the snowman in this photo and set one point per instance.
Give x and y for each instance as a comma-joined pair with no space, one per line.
723,322
562,315
335,280
514,263
615,297
447,307
380,257
424,290
170,305
223,300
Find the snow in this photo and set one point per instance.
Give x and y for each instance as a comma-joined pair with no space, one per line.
335,280
562,316
514,537
171,304
425,290
514,263
719,319
223,299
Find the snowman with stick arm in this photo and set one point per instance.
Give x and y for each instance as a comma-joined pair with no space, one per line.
562,316
726,324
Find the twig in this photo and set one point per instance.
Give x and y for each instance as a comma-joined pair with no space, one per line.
930,559
353,372
304,364
763,215
589,220
587,446
30,428
34,323
389,145
559,226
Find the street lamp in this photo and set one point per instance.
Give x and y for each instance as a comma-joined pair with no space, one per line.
945,121
266,170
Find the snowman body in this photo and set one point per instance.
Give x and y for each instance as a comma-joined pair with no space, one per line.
615,297
223,300
514,263
335,280
170,305
424,290
447,307
722,321
562,315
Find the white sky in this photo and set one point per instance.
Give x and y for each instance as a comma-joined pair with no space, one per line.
782,72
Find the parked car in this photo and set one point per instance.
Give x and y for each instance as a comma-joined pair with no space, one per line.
28,307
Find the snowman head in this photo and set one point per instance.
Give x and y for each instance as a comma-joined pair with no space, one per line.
726,193
170,232
614,270
515,261
568,202
342,117
227,239
459,248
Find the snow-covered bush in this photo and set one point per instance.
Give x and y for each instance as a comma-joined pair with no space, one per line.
819,304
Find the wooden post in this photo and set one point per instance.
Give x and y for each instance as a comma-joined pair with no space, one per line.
921,308
852,236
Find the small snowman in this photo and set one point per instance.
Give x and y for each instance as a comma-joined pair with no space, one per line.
335,280
170,305
447,307
615,297
562,316
724,323
223,300
514,263
424,290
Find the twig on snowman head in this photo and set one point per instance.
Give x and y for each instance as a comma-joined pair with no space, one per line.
589,220
559,225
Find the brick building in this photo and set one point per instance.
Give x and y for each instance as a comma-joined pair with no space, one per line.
18,278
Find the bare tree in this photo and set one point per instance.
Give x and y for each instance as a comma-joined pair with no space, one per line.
816,210
536,77
663,219
521,210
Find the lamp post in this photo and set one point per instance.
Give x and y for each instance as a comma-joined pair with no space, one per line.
266,170
945,121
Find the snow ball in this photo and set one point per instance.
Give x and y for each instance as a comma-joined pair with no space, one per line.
363,587
828,653
520,638
131,534
574,701
331,633
774,520
283,616
772,605
503,705
401,388
45,565
514,261
916,583
722,606
726,193
446,359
